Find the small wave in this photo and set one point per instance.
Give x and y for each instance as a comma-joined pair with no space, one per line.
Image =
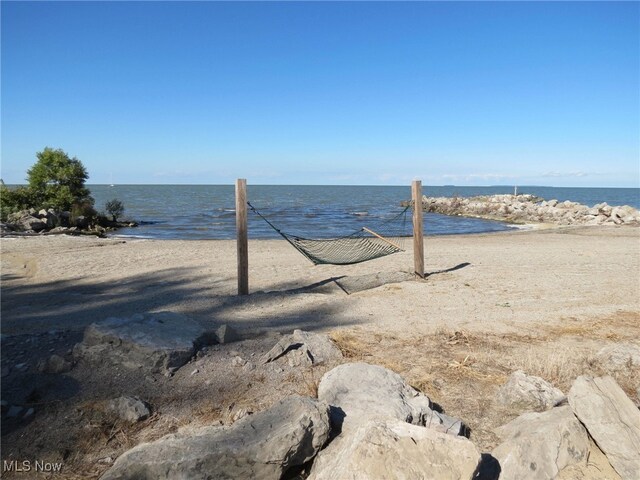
528,226
137,237
360,214
152,222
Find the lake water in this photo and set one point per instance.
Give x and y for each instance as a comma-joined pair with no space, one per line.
207,211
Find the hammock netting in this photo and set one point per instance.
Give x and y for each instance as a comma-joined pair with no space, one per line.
360,246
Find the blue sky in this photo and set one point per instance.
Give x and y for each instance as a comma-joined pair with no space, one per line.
326,93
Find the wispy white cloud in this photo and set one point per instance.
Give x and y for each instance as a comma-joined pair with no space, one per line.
480,176
555,174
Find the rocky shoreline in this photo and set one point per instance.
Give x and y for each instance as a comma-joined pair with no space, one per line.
51,222
522,209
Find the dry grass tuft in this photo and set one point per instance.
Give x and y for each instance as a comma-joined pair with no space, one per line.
351,345
558,366
461,370
308,387
457,338
207,413
619,326
465,363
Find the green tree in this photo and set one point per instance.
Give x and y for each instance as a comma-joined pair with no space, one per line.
57,181
115,208
13,200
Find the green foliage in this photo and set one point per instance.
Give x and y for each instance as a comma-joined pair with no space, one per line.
57,181
82,209
115,208
13,200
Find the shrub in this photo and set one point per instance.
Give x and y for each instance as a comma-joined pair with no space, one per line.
115,208
14,200
82,209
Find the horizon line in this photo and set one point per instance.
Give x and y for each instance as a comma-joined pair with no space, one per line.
339,185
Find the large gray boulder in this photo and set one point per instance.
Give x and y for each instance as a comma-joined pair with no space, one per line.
49,216
537,446
391,449
528,392
304,348
263,446
359,391
362,391
612,420
31,223
161,342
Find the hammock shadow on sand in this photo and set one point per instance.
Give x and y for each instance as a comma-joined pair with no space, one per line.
359,283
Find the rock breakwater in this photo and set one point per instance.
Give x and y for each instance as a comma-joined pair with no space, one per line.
522,209
52,222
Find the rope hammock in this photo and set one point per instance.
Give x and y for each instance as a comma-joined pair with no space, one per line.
360,246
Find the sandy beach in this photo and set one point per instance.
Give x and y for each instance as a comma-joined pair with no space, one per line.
509,282
541,300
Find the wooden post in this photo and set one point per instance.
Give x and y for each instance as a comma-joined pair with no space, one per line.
241,236
418,232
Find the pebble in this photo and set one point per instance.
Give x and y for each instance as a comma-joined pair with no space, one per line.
238,361
195,371
241,413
